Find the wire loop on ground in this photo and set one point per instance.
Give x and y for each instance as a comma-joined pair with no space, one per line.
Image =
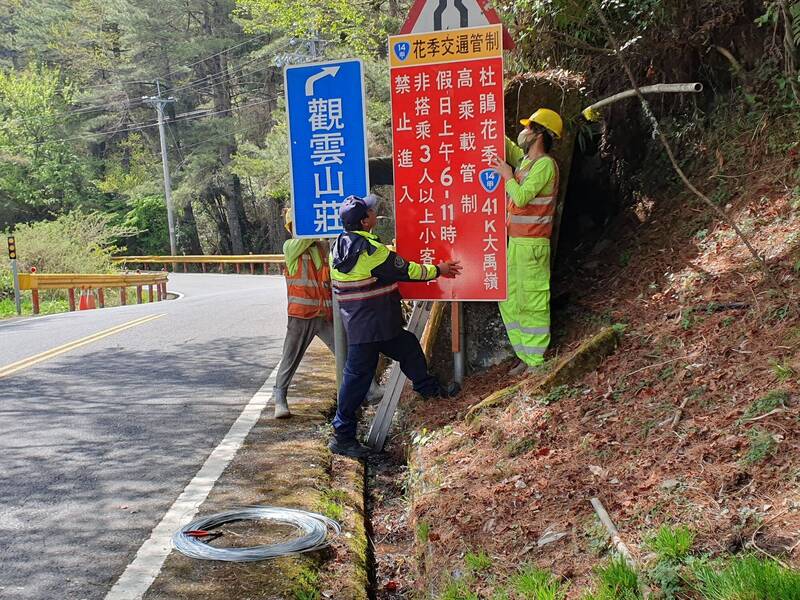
314,527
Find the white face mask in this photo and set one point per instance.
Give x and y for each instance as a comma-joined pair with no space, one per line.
525,138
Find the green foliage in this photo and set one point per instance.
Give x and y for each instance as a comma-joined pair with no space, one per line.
76,242
477,563
615,581
762,445
770,401
306,584
331,504
782,371
671,543
148,217
557,393
746,578
532,582
457,590
339,21
40,173
423,532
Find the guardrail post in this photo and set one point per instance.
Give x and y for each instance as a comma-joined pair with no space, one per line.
184,268
35,301
237,268
101,297
203,266
150,292
123,296
252,269
266,268
221,267
138,294
71,294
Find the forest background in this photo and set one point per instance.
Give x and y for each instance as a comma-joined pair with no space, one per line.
80,167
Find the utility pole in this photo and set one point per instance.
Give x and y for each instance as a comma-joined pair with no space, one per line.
159,103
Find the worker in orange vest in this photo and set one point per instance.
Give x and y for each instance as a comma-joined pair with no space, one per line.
308,287
532,189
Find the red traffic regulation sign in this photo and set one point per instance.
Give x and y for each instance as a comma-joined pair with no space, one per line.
447,124
439,15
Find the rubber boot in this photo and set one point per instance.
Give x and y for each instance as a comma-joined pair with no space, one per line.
281,405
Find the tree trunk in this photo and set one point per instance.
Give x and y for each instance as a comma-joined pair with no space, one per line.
232,189
187,225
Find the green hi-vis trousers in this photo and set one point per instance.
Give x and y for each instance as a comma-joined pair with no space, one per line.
526,313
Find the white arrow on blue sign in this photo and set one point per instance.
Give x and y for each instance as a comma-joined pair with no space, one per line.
328,159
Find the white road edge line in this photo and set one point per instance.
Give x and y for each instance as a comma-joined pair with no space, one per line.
142,572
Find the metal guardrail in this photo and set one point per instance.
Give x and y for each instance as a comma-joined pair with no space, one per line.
237,260
156,284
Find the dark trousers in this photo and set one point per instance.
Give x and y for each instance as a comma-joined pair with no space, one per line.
362,360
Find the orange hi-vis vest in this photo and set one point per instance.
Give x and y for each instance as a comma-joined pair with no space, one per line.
535,219
309,289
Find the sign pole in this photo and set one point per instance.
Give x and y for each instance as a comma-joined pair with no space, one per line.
339,343
457,326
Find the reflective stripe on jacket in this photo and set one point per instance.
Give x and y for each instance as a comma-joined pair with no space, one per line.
309,289
535,219
366,289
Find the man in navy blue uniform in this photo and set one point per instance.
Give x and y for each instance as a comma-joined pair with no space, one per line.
365,274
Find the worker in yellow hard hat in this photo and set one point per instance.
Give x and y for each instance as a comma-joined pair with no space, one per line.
532,180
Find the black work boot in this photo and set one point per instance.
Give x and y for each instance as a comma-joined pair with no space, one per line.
352,448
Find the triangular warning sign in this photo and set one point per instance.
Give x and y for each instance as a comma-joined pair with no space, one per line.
439,15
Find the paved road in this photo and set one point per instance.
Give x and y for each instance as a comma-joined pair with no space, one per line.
97,443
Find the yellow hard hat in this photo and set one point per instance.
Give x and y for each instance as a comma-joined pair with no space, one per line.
549,119
287,219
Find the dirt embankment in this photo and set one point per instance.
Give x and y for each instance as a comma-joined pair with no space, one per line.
694,420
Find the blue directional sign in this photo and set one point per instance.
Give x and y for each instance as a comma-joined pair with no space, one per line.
328,142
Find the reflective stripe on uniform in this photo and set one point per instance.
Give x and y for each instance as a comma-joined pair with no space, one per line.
307,301
387,289
354,284
303,282
539,351
526,220
542,201
528,330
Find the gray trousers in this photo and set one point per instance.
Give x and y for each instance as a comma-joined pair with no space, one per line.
299,334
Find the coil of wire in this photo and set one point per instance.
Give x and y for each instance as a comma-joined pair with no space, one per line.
314,532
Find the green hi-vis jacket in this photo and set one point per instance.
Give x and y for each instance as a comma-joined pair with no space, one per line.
365,275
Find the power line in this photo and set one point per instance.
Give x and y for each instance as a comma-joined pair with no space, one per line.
189,66
136,103
142,126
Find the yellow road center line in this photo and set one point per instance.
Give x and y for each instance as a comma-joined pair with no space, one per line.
48,354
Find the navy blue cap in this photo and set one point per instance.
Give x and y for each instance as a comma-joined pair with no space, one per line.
354,209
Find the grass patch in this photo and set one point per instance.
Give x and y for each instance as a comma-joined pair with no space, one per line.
306,585
457,590
531,582
746,578
557,393
331,504
671,543
615,581
520,446
477,563
782,371
770,401
423,532
762,445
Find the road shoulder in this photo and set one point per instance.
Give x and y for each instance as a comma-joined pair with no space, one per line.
284,463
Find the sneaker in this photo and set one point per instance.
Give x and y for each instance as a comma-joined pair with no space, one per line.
352,448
